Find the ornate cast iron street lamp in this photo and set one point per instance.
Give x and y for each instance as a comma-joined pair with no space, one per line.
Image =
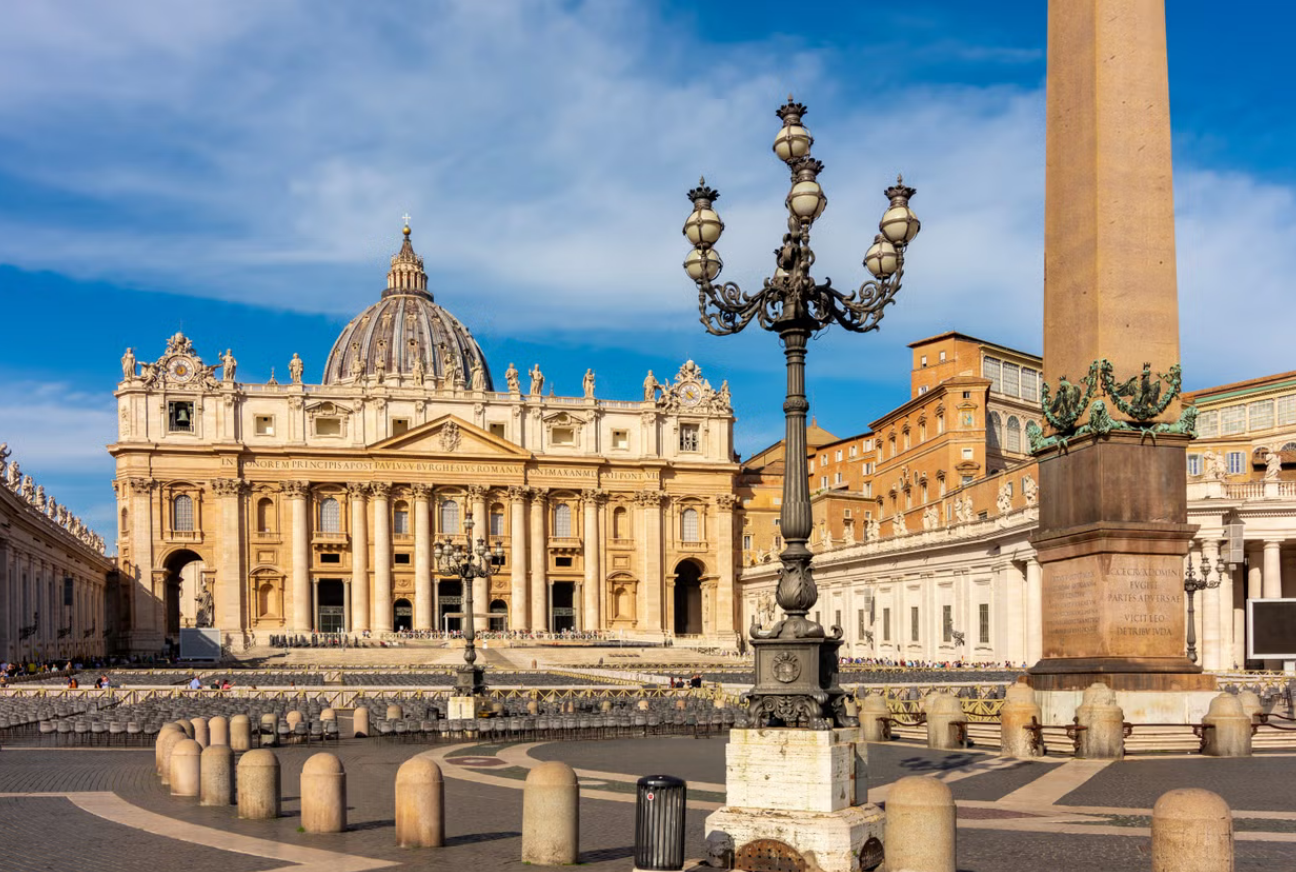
1192,584
468,562
796,660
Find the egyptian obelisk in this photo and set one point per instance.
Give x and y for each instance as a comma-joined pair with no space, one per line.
1113,531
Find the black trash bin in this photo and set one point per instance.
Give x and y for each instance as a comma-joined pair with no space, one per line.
659,822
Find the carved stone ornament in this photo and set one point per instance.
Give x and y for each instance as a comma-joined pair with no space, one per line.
357,489
421,491
517,493
229,487
596,496
726,502
450,437
293,489
769,855
787,667
650,499
475,492
381,490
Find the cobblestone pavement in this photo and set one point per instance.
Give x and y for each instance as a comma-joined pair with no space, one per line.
1106,828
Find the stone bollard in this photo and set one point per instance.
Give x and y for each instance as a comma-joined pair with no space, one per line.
185,768
360,722
258,785
550,815
1230,728
943,711
1018,712
394,713
162,762
1104,736
217,780
201,734
323,795
1250,702
269,722
293,718
328,714
218,731
605,706
681,705
1192,831
920,830
420,804
873,712
187,726
643,705
533,707
240,733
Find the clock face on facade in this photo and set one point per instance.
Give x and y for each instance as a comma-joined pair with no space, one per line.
691,393
181,369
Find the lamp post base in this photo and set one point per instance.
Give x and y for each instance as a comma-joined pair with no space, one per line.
796,685
470,680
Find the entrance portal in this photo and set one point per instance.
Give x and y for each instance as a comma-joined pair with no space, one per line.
404,613
450,606
498,615
331,617
184,579
564,612
688,599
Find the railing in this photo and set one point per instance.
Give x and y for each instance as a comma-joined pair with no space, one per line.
1244,490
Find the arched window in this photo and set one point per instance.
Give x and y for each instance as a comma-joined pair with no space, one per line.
265,515
182,518
994,439
330,516
450,518
620,523
1290,446
124,521
400,518
1012,442
562,520
689,525
497,520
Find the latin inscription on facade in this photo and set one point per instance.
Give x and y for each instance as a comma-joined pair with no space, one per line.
1113,605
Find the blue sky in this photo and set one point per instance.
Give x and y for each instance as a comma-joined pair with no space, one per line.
238,170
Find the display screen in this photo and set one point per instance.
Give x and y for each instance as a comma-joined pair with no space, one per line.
1273,629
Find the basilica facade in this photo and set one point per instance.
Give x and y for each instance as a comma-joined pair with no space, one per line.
298,507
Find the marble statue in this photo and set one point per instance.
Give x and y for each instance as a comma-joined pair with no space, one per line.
537,380
230,365
205,606
419,373
39,499
898,527
15,477
380,366
295,367
128,365
51,508
1273,465
28,488
589,384
1030,490
478,376
511,376
1212,466
1004,500
357,365
929,518
650,388
723,397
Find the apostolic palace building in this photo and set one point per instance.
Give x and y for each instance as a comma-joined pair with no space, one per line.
298,507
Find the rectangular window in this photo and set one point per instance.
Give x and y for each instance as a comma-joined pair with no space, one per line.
886,625
778,541
992,368
839,455
859,617
1012,379
983,615
328,426
497,524
940,424
778,522
688,437
967,453
400,522
330,558
854,450
964,481
947,623
496,429
823,481
621,440
563,436
263,425
868,488
180,416
1194,464
823,459
1236,462
837,478
562,562
1208,425
1285,411
400,426
400,558
942,357
747,542
922,389
1030,385
1232,420
913,623
922,361
1260,415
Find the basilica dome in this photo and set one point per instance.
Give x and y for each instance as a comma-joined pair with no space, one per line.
407,337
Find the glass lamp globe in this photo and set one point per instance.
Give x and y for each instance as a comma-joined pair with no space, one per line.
899,224
806,200
792,142
702,263
881,259
703,226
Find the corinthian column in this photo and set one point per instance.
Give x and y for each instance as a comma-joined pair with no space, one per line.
296,492
724,603
382,604
228,596
146,634
481,530
539,595
593,500
518,613
422,559
1212,636
358,492
653,577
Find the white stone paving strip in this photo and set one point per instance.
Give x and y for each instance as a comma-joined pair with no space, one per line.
113,808
1055,784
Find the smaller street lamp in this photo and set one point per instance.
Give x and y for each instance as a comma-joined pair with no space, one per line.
1192,584
468,562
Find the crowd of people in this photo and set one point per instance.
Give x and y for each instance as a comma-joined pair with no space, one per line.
892,663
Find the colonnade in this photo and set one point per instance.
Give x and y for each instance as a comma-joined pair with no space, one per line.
35,621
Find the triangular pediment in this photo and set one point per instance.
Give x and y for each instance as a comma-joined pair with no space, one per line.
450,435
